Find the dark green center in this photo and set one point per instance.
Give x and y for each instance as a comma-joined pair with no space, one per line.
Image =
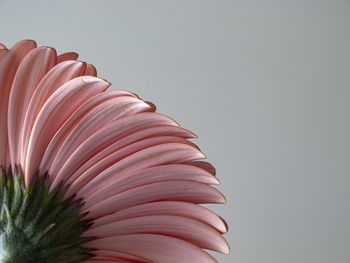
37,225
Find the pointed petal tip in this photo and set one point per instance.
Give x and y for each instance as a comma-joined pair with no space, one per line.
224,200
151,105
216,181
226,249
191,134
221,198
226,228
203,156
195,136
89,79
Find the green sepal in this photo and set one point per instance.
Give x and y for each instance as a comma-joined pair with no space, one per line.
38,225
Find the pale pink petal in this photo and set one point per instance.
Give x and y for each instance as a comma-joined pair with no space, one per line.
98,168
67,56
157,248
91,70
3,52
66,128
32,69
204,165
2,46
151,132
119,183
151,105
166,208
153,156
55,112
187,229
109,134
102,260
109,260
110,254
55,78
94,120
8,69
187,191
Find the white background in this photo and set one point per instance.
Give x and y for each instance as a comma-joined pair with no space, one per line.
264,84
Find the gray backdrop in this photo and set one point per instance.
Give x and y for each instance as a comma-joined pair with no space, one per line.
264,84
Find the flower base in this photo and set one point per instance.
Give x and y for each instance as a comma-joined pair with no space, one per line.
37,225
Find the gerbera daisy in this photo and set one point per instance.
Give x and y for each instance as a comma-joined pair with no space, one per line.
95,175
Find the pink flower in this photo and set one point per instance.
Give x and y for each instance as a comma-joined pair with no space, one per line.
95,175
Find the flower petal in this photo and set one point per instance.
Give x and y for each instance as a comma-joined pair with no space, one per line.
157,248
67,56
90,70
163,130
55,78
32,69
109,134
115,255
94,120
102,260
186,191
204,165
187,229
55,112
3,52
184,209
105,165
149,157
56,142
155,174
8,68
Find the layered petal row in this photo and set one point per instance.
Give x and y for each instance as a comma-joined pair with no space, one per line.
140,178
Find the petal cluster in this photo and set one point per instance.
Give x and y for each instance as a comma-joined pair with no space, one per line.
140,178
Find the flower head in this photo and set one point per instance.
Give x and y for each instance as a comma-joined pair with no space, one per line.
96,175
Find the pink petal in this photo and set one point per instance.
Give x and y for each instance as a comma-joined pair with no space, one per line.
163,130
91,70
66,128
2,46
157,248
55,112
33,68
204,165
105,163
67,56
94,120
109,134
148,157
3,52
101,260
184,209
187,229
8,69
155,174
187,191
55,78
110,254
106,260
